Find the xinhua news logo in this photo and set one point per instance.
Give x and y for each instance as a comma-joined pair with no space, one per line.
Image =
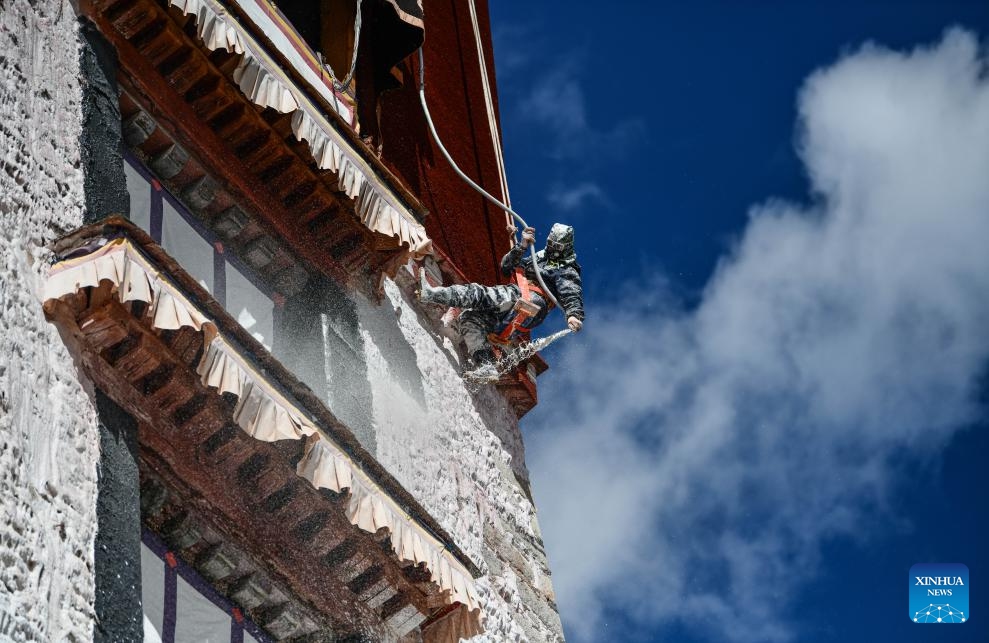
939,593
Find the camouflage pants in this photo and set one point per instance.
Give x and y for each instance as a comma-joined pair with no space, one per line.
483,307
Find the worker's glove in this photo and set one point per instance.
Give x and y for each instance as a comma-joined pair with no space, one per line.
528,237
574,324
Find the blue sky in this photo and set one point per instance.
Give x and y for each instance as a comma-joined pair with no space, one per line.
779,401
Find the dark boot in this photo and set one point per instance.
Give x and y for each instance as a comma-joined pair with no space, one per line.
483,357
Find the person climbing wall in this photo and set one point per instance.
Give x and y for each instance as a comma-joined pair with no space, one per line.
506,313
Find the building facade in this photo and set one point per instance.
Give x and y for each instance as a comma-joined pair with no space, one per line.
225,415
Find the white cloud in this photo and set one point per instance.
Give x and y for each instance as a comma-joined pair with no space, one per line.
557,102
513,47
688,461
572,197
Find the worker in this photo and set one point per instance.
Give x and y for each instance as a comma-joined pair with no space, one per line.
506,313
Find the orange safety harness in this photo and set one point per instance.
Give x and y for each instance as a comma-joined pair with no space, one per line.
524,310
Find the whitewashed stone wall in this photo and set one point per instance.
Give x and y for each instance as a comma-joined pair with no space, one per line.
49,441
461,455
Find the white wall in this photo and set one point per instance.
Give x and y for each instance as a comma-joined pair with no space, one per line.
48,435
455,453
458,453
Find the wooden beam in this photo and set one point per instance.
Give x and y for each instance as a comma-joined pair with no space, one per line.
180,118
267,501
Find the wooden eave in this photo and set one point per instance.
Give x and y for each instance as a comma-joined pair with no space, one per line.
345,128
298,536
252,157
251,152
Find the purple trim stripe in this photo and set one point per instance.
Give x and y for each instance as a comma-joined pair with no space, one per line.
158,197
219,276
156,215
171,597
189,575
138,166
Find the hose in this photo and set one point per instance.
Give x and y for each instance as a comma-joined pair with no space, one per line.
353,56
470,182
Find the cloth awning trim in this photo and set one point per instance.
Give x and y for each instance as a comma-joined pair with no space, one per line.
263,412
408,16
266,84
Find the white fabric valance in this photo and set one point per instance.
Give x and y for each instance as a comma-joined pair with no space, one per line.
212,27
262,411
261,86
267,85
374,209
370,508
134,278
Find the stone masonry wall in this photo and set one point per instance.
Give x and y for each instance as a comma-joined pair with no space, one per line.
49,442
461,455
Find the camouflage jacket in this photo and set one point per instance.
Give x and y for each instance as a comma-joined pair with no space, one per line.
562,278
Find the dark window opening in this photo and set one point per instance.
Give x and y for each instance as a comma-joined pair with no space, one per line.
338,35
383,36
305,17
329,28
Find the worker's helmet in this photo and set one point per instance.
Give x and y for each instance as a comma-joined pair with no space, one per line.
559,243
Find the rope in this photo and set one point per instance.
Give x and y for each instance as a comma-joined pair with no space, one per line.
470,182
353,58
492,122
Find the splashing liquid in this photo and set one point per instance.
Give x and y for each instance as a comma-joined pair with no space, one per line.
490,373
